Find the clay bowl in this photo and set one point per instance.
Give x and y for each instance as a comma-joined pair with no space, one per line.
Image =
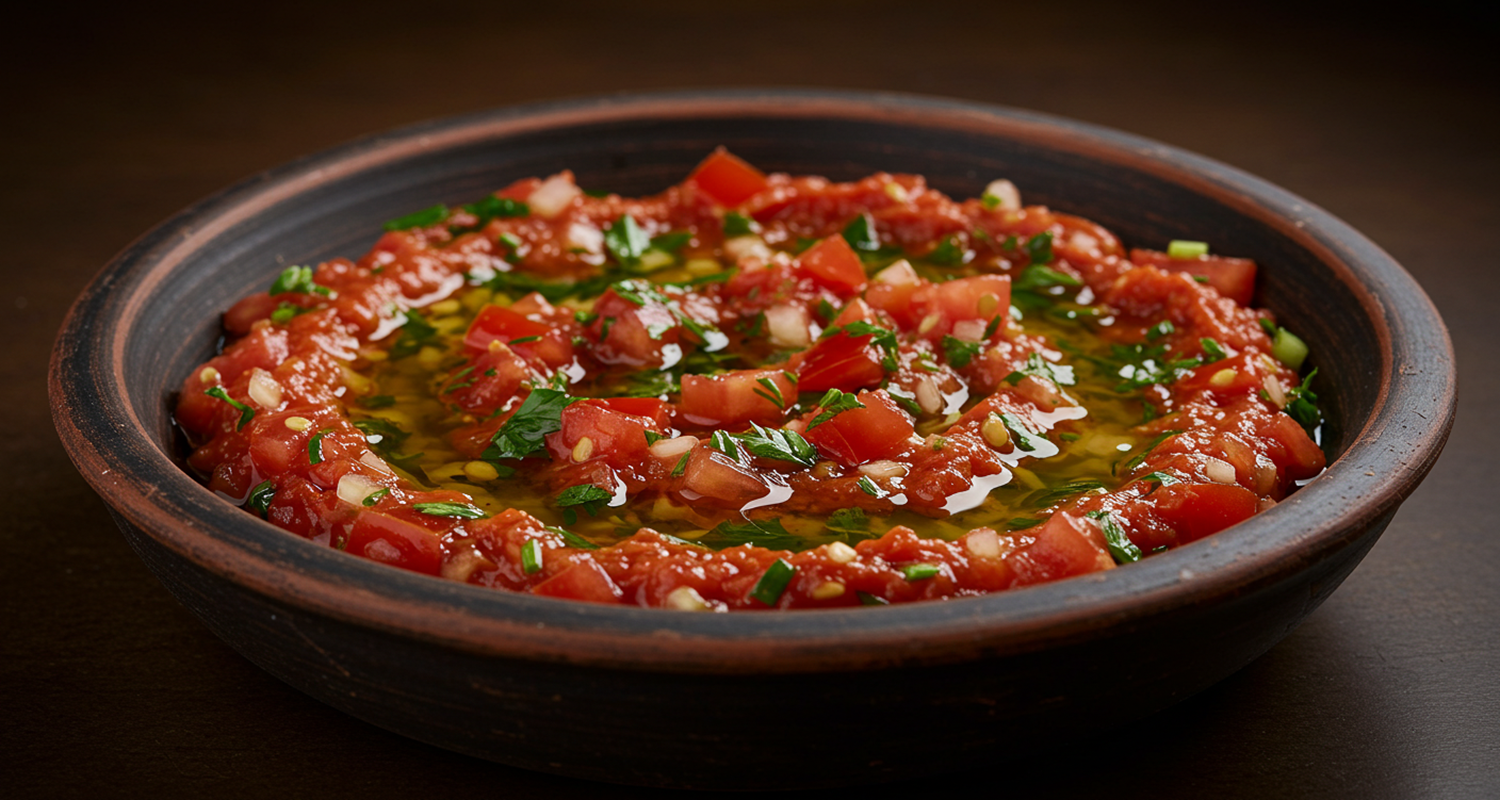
753,700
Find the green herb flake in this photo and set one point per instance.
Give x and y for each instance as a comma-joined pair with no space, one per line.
419,219
1152,445
867,599
297,280
376,496
1161,478
1039,367
771,392
1039,249
1040,276
531,556
1120,546
920,572
1160,329
1302,405
246,412
848,521
1025,438
737,224
882,338
833,403
572,539
861,235
378,401
524,433
259,499
681,465
948,254
491,207
776,444
415,333
1212,350
626,241
315,446
773,582
671,241
458,510
870,488
959,352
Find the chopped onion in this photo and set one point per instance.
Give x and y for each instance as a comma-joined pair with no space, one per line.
370,460
1005,192
983,543
840,553
970,330
884,469
900,273
354,488
1274,391
686,598
787,325
554,195
585,237
1220,472
928,396
744,246
667,448
264,389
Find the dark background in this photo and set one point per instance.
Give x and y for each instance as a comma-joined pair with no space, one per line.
113,121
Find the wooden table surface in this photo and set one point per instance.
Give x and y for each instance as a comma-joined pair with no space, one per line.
108,687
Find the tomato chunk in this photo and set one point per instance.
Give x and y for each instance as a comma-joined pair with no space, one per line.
585,580
728,179
1233,277
1197,510
734,398
615,437
393,541
861,435
841,362
982,297
833,263
1065,546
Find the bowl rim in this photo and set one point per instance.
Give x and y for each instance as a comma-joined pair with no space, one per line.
107,441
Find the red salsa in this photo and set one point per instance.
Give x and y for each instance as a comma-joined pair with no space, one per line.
754,391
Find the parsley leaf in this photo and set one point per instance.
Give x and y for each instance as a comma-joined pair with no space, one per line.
960,352
572,539
523,434
1051,496
260,497
947,254
492,207
1120,546
459,510
1212,350
1039,248
833,403
1039,367
737,224
869,487
1302,405
1039,276
246,412
767,533
415,332
883,338
861,235
1024,437
777,444
419,219
626,241
590,497
1141,456
849,521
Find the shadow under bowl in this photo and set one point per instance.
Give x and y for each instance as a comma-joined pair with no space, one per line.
750,701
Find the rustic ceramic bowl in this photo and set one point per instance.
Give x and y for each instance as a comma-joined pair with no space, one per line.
752,700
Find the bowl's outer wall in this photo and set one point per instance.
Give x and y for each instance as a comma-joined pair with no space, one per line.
748,732
429,658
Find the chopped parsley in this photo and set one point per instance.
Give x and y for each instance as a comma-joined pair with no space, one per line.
948,254
572,539
415,334
491,207
1119,544
671,241
870,487
315,446
458,510
861,235
1212,350
376,496
524,434
883,338
259,499
626,241
1039,249
737,224
1039,367
960,352
774,443
586,495
1302,405
419,219
849,522
246,412
773,582
833,403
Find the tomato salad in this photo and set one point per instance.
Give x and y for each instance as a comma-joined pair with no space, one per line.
754,391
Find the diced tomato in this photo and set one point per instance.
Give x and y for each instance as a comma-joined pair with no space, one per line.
727,178
841,362
833,263
1300,456
615,437
633,334
397,542
1197,510
258,306
982,297
1233,277
548,343
894,299
861,435
711,475
657,410
1065,546
585,580
496,377
735,398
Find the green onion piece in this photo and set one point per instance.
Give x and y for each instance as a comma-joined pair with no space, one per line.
1213,350
920,572
460,510
260,497
419,219
773,582
572,539
246,412
1288,348
531,556
1181,248
315,446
